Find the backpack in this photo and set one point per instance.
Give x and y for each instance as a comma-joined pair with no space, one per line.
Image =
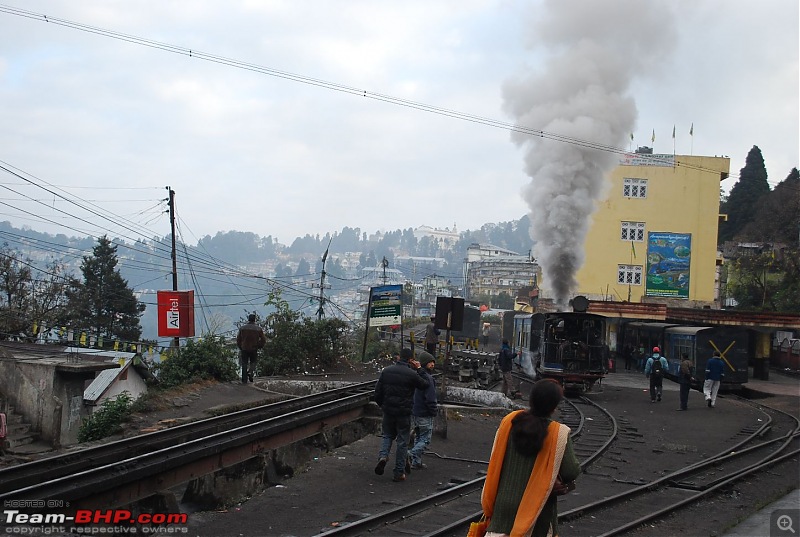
656,370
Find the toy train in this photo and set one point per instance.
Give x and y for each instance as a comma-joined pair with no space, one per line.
569,347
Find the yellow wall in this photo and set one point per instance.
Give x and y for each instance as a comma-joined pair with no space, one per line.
680,199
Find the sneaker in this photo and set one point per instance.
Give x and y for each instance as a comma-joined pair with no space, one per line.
250,376
380,466
659,398
399,477
419,466
680,409
652,400
709,403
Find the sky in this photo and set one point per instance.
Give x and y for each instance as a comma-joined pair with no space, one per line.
378,115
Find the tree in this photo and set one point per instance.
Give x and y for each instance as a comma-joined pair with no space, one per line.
777,217
303,268
745,196
103,303
26,303
766,282
297,343
15,286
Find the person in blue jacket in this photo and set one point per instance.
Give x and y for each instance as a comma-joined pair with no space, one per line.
424,411
714,374
654,369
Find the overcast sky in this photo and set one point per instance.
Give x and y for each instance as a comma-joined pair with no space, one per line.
108,123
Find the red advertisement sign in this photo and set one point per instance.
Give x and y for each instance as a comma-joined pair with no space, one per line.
175,313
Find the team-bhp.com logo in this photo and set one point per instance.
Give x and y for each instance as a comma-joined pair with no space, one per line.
93,521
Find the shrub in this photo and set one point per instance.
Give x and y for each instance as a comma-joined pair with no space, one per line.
106,420
208,358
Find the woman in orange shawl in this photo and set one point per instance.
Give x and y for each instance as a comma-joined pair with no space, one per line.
518,496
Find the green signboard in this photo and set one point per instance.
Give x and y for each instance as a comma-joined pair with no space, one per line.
386,305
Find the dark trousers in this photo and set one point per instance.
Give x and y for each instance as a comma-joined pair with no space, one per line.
431,348
656,382
685,385
248,362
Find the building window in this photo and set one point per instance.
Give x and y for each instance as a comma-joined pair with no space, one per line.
632,231
634,188
629,274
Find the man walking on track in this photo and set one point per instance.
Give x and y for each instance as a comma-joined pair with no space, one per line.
394,393
249,340
714,374
654,369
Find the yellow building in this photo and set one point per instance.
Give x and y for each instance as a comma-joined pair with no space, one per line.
654,237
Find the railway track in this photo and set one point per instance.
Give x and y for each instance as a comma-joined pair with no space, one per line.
449,512
753,452
112,471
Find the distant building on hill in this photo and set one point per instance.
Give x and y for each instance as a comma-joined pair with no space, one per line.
444,237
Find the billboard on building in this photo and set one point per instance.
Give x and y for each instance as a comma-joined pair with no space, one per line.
385,305
669,258
175,313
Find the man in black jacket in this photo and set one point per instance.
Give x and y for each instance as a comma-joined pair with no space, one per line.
394,393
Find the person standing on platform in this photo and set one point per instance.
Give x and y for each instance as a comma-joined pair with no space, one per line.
714,374
250,340
394,393
431,337
686,378
424,411
654,369
505,359
485,333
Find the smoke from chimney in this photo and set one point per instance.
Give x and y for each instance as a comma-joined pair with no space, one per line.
595,49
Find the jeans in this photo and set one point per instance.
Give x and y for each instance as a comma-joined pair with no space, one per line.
424,424
247,359
396,428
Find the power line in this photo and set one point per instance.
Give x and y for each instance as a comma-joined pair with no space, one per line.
333,86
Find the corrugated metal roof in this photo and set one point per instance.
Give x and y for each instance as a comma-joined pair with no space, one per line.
102,381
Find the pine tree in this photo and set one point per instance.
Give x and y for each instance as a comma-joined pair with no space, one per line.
777,218
103,304
745,195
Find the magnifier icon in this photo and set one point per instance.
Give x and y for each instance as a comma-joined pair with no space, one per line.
784,523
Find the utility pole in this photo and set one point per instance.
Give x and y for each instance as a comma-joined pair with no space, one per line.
321,311
384,264
176,342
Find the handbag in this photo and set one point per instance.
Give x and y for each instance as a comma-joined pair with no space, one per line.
478,529
561,488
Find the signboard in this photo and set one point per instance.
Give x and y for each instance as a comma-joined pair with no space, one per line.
669,258
646,159
175,313
385,305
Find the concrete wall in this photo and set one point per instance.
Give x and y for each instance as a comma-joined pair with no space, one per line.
48,394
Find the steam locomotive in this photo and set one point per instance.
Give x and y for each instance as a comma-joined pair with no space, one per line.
569,347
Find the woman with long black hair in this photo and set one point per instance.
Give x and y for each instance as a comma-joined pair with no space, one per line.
532,462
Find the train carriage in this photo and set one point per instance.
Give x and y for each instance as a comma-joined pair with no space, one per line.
698,342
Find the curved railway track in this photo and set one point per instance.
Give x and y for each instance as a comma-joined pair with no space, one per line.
103,469
449,512
753,452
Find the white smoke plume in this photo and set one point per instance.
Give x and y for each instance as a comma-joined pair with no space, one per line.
595,50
